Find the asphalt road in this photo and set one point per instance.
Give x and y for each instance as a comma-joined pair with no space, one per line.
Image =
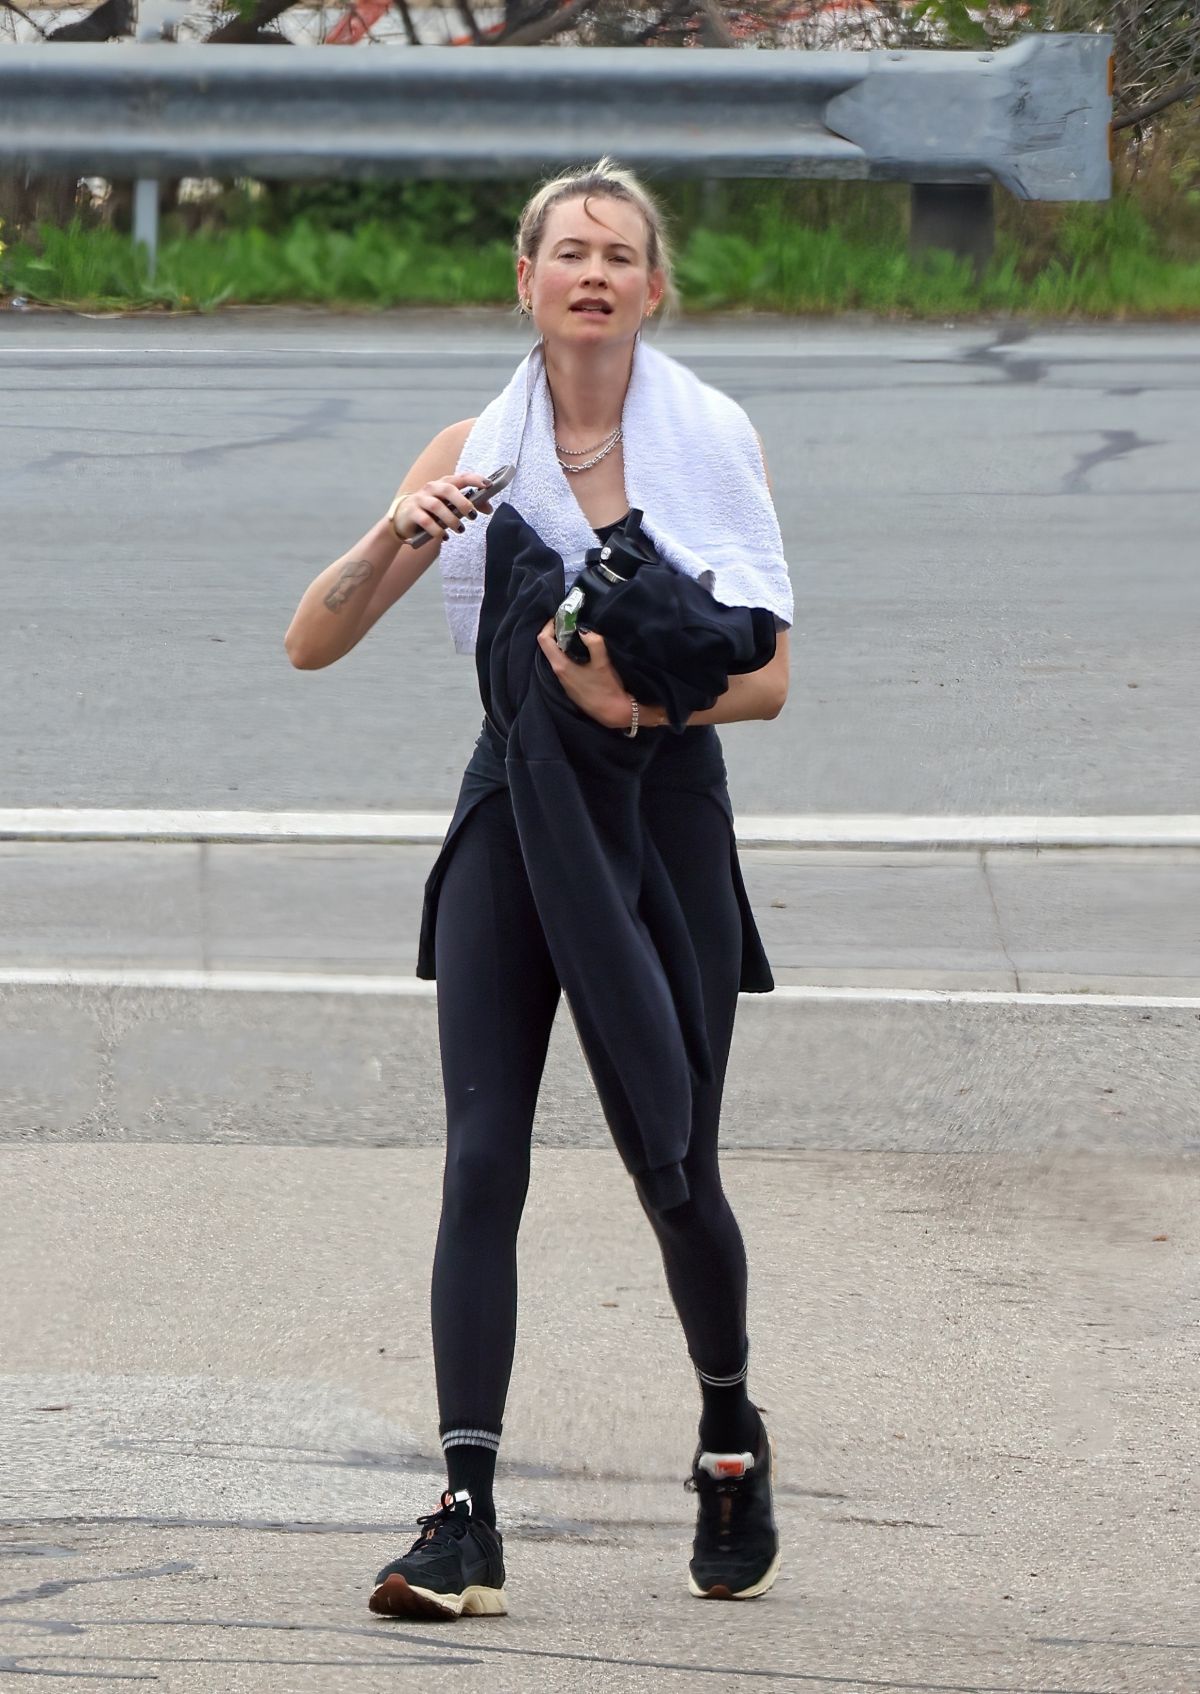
992,535
218,1424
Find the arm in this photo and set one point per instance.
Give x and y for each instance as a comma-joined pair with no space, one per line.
762,694
352,594
597,689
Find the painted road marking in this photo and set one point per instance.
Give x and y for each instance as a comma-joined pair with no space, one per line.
880,831
411,987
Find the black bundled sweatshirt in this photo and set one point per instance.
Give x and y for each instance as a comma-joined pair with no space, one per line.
612,921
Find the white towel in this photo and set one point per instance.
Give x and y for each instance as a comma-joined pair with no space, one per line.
693,466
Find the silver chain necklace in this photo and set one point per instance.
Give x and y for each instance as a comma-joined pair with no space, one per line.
606,448
579,452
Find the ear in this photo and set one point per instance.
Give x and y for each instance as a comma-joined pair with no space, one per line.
524,273
656,288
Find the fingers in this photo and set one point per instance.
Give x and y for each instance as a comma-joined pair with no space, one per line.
449,491
433,517
471,479
440,507
599,696
550,647
593,642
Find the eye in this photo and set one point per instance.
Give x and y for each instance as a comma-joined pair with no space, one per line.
622,258
570,254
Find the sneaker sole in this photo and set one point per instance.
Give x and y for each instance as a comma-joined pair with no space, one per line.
720,1591
396,1598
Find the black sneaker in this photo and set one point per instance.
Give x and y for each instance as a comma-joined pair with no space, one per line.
454,1567
735,1555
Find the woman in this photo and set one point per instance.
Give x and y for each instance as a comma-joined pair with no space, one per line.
594,420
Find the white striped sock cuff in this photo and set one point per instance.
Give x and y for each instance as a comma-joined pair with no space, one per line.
471,1438
724,1381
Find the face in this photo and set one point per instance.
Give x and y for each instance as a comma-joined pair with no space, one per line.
590,282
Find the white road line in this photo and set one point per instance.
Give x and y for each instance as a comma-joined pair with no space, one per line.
987,997
302,354
896,830
411,987
216,981
753,830
804,341
240,353
52,824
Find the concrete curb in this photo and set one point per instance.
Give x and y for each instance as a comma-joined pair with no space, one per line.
881,832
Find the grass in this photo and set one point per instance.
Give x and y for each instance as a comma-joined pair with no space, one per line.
99,268
1096,262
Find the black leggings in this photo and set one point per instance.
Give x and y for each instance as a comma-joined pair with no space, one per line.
497,995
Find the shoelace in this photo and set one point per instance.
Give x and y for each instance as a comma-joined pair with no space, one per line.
445,1518
725,1494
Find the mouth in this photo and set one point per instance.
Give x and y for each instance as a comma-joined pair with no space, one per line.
595,308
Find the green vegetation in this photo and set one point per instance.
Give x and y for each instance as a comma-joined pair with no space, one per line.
797,247
98,268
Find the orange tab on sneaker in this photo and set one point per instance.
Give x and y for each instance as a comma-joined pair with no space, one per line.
726,1467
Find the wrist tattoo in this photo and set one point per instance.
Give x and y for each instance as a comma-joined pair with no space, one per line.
349,580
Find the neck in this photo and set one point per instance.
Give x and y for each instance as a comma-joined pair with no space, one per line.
587,388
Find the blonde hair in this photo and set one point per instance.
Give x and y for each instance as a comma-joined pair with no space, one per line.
603,180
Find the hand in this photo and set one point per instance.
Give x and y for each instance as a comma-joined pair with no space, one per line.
595,688
438,507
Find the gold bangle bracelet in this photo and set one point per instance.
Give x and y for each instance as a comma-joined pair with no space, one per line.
391,516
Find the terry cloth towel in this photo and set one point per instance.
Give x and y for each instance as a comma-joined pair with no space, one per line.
692,465
612,920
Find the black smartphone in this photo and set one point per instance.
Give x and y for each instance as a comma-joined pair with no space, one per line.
477,496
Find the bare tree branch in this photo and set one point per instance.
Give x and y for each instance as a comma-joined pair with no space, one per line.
249,29
519,14
529,35
112,18
715,31
468,17
10,6
406,18
1181,91
668,17
653,30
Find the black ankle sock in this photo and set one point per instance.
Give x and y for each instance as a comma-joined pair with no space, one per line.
473,1468
729,1420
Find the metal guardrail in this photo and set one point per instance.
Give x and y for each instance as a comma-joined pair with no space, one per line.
1034,117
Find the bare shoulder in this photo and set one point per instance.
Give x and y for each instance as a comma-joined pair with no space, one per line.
449,442
456,434
440,458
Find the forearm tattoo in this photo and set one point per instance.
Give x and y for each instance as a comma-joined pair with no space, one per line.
349,580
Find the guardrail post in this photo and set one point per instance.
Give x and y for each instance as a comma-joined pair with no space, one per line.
958,217
145,220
